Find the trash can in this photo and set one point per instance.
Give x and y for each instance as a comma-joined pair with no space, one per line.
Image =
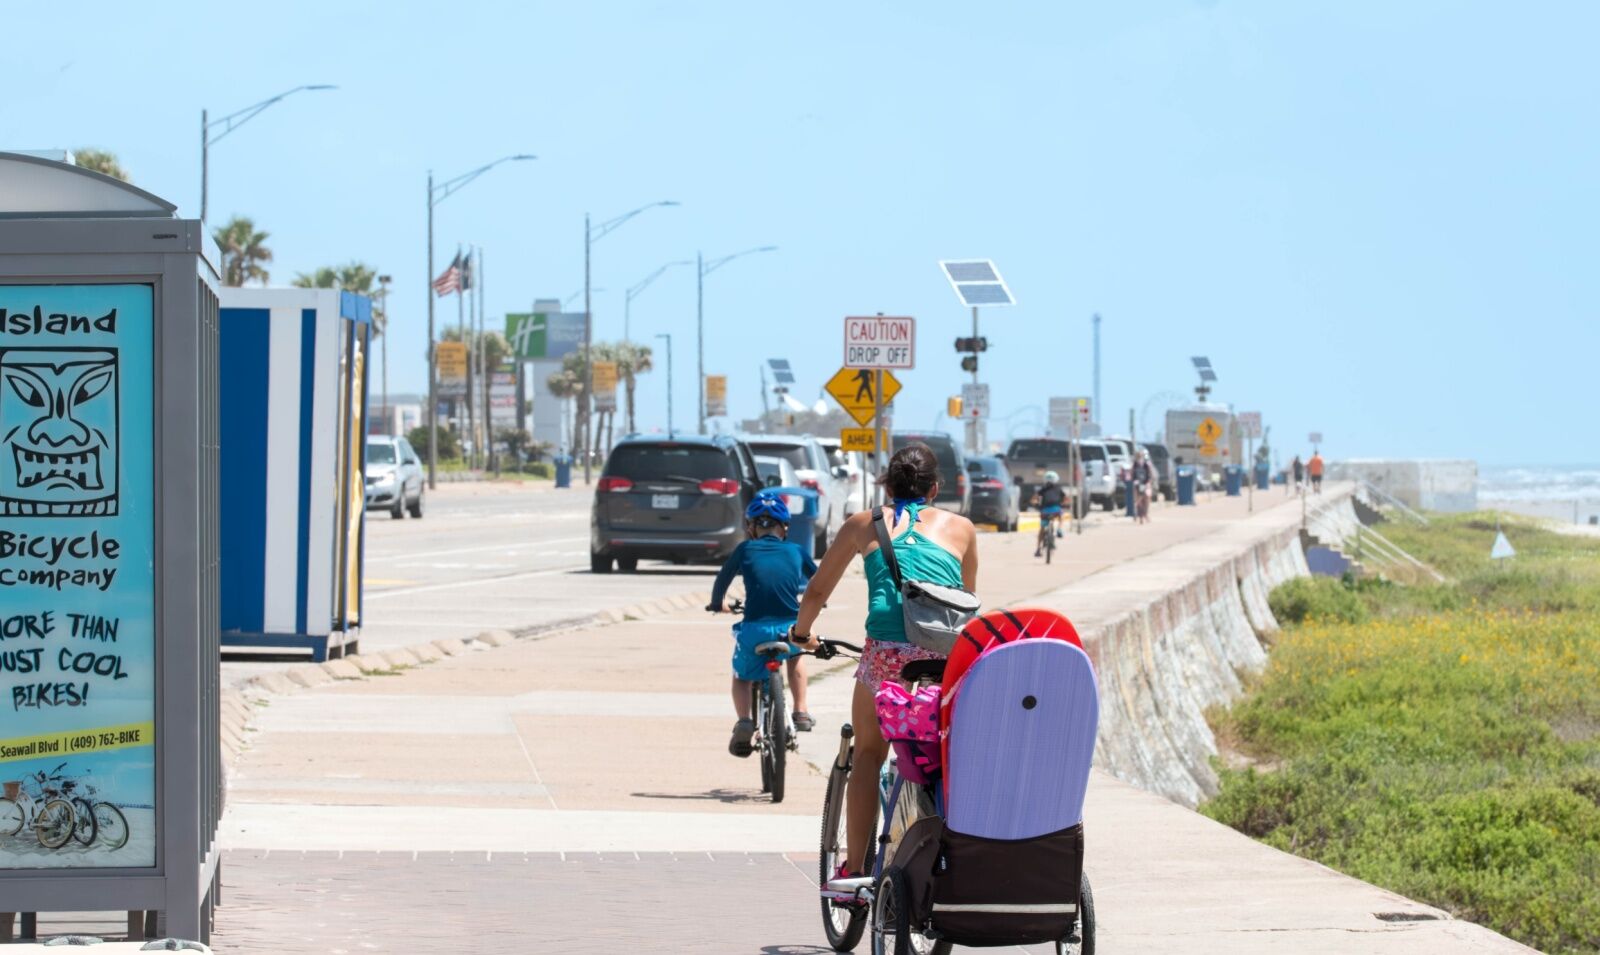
1233,479
803,504
1128,493
1263,475
1185,485
563,470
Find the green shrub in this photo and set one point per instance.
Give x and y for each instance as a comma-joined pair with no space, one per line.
540,469
1316,598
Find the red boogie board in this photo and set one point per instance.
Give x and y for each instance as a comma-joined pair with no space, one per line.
986,630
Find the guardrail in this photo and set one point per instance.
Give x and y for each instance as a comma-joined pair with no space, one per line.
1386,498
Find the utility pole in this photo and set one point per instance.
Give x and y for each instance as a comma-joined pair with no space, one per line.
700,340
430,414
461,329
1096,323
588,337
669,380
383,297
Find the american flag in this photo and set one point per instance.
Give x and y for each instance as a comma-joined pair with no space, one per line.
450,279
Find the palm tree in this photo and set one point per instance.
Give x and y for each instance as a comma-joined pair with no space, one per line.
244,251
566,385
357,277
103,161
632,359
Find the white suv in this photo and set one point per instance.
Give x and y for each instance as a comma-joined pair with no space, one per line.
1098,477
816,472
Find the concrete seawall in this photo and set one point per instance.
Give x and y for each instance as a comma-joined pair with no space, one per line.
1173,634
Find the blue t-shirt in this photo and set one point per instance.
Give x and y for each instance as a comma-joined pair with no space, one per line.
775,572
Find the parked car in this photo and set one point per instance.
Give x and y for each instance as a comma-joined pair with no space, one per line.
1119,452
394,476
855,471
776,472
816,472
679,498
1030,458
955,490
1099,480
1161,460
996,499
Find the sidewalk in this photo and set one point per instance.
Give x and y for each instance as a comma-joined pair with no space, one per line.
572,793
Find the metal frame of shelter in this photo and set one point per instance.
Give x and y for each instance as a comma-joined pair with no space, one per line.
63,225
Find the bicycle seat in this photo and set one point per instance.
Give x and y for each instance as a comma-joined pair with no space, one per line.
773,648
918,670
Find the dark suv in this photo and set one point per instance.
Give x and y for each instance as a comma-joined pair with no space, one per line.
955,490
680,499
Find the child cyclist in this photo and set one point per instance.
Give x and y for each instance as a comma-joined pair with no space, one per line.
775,572
1049,499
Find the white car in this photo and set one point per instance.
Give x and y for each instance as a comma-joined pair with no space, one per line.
1098,477
816,472
855,470
394,476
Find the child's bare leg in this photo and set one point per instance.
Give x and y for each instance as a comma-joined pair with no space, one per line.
741,698
797,683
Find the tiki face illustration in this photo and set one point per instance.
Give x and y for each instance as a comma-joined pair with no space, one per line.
58,421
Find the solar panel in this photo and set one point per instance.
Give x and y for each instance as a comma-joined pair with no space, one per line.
1201,361
970,271
977,282
983,293
780,371
1207,374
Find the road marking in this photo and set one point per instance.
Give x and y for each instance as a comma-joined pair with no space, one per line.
519,545
476,581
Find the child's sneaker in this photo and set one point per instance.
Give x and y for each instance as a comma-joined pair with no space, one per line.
739,745
803,723
856,902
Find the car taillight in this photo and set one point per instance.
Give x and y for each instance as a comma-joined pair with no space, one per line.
811,484
727,487
992,484
961,483
608,484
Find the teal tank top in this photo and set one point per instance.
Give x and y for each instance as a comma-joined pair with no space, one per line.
920,559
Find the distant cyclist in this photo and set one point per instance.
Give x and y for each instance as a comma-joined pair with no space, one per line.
1050,497
775,572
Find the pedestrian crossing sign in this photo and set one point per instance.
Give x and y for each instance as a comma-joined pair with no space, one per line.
854,389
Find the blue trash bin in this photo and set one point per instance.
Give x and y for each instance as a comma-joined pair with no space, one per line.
803,506
1263,475
1185,475
1128,493
1233,479
563,470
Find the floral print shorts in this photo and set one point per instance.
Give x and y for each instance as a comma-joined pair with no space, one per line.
881,662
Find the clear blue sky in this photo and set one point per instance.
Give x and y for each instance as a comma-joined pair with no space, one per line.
1377,219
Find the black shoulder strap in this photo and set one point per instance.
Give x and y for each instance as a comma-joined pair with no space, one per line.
887,546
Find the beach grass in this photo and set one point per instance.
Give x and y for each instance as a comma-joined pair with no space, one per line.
1442,741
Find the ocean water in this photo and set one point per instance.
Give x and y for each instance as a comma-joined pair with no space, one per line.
1569,493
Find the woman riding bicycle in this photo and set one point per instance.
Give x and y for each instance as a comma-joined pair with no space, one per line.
930,544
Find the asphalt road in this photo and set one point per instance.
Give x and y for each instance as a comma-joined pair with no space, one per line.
486,556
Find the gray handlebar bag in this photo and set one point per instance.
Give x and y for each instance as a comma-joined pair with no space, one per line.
934,613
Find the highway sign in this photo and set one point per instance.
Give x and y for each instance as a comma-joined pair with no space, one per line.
604,374
879,342
857,439
716,396
975,400
853,389
1250,424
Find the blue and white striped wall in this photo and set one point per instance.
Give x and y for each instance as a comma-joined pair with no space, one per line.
285,396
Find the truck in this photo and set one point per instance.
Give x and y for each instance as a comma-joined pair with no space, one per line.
1207,437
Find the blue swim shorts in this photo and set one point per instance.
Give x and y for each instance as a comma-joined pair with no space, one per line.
750,634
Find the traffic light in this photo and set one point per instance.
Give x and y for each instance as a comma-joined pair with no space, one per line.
952,407
969,363
972,345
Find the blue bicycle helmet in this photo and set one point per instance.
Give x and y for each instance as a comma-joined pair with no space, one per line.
768,504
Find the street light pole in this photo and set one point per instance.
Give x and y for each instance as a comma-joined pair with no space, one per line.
669,381
703,269
229,123
436,195
592,234
383,297
635,290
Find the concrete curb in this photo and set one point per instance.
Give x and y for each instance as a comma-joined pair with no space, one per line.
240,701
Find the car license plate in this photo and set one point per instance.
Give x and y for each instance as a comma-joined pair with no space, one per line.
664,502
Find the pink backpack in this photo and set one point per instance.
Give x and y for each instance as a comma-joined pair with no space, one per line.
910,722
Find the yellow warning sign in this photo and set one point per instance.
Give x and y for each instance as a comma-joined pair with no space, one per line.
856,439
1208,431
853,389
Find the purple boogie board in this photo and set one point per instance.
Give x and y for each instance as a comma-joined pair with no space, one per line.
1021,739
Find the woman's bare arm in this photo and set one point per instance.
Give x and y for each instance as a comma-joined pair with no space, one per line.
969,559
852,537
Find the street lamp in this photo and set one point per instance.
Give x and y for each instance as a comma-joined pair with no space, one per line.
633,293
669,380
578,294
229,123
591,235
706,268
383,297
436,195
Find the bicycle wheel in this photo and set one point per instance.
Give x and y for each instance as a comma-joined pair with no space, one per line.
54,824
83,825
11,817
775,745
111,825
892,932
1082,940
842,923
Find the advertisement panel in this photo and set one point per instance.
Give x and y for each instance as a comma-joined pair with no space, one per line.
544,334
716,396
605,385
77,577
503,397
452,359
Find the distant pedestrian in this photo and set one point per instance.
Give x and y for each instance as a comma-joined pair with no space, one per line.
1144,482
1315,470
1299,468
